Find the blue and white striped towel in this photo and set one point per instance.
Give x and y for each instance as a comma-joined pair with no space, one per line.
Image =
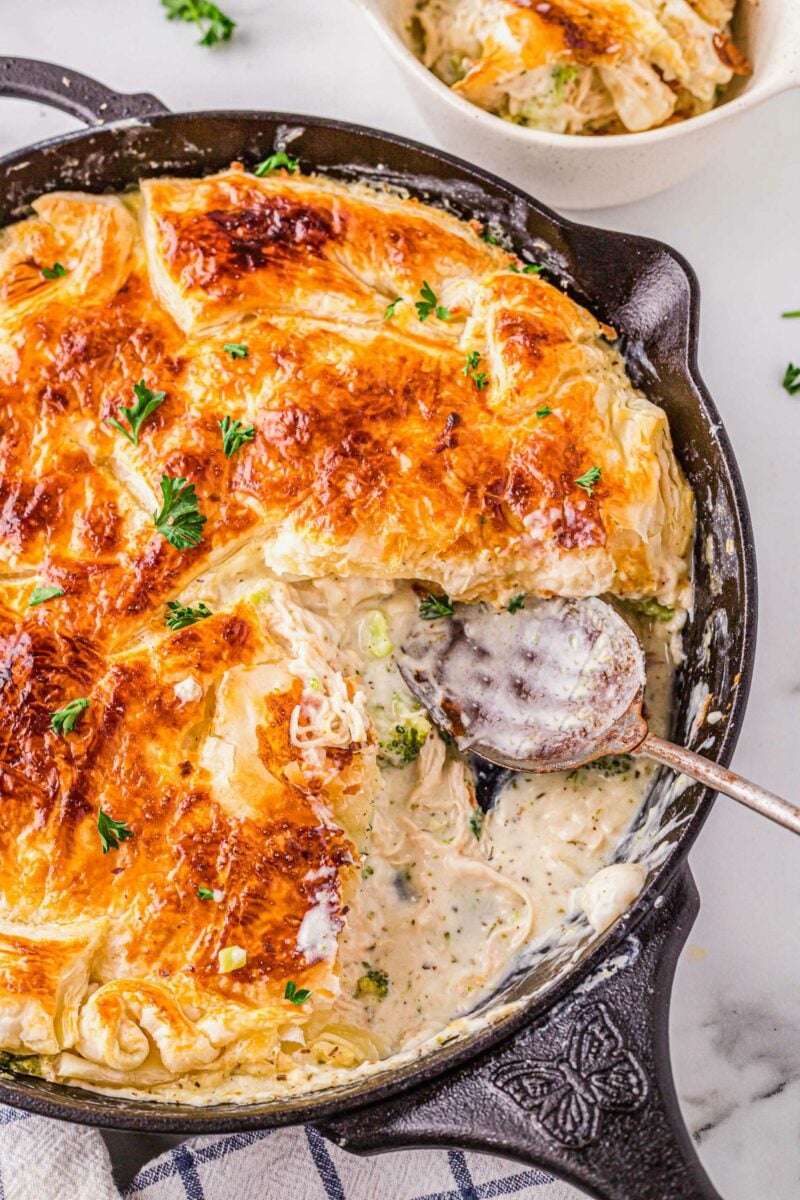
51,1160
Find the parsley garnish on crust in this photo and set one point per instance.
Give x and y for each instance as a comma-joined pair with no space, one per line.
429,304
146,403
179,519
234,435
112,832
40,595
57,271
64,720
588,479
295,994
179,616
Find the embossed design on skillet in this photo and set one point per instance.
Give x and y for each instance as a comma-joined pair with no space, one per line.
650,294
591,1073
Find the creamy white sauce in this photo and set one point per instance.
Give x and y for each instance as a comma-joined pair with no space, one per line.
450,898
608,893
450,901
316,937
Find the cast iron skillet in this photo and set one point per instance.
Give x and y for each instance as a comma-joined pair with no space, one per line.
578,1080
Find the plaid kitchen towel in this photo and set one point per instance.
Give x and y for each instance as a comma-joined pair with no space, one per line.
50,1160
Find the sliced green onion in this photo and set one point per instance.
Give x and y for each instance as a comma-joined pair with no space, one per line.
374,634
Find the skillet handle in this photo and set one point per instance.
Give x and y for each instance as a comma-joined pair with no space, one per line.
585,1092
78,95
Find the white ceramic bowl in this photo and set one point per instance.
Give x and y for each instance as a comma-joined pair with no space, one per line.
570,171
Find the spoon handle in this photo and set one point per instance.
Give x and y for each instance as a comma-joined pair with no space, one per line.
722,780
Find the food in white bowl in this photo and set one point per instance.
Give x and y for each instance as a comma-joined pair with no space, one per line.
577,172
581,66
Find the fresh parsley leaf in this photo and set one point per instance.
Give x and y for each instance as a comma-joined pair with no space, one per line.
373,983
205,893
796,313
179,616
40,595
178,519
479,378
392,308
214,25
112,832
476,822
279,159
235,435
431,607
544,411
791,380
489,237
429,304
235,349
64,720
295,994
529,269
517,602
588,479
146,403
54,272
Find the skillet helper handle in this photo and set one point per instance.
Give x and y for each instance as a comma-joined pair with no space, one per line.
775,808
585,1092
78,95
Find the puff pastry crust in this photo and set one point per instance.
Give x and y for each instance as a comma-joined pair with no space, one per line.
236,751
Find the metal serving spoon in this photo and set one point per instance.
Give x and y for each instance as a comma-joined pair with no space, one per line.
548,688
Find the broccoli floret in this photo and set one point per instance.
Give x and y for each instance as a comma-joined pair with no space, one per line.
20,1064
405,743
373,983
649,608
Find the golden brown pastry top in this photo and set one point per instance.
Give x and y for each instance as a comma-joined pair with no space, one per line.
416,407
375,452
187,741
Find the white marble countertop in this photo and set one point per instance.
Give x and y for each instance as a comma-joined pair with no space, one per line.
736,1007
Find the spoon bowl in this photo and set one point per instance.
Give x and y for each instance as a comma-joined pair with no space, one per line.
549,687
